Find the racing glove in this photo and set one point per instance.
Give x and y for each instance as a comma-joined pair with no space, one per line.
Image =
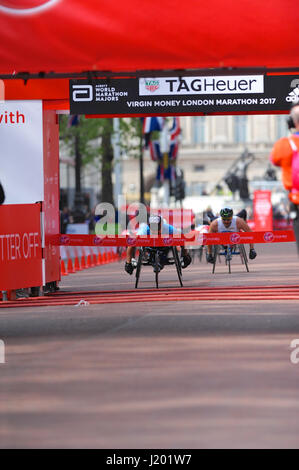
252,254
129,268
210,258
186,260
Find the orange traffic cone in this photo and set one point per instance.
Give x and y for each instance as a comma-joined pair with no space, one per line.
100,261
70,268
77,264
83,264
104,257
95,261
89,264
63,270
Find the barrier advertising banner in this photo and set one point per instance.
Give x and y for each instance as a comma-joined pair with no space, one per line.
184,95
51,195
20,246
262,208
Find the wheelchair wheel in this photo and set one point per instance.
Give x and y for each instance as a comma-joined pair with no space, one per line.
244,257
157,268
228,258
215,251
138,268
228,262
177,264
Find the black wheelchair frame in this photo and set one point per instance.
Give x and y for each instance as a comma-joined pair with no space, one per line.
151,256
228,252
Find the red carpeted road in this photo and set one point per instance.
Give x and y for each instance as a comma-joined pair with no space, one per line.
205,366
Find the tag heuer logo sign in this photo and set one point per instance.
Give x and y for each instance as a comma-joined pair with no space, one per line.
152,85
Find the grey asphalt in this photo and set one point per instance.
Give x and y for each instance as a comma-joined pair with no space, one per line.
163,375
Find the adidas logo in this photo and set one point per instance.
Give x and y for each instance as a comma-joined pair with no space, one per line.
293,96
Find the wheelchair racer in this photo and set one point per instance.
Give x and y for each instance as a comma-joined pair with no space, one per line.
157,226
228,222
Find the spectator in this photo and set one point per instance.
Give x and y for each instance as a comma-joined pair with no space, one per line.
2,195
285,154
64,219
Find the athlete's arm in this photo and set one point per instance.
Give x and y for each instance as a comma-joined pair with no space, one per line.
213,229
143,230
171,230
242,226
129,254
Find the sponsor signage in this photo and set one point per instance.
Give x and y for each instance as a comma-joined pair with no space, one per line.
20,246
183,95
193,238
21,162
262,209
235,238
51,195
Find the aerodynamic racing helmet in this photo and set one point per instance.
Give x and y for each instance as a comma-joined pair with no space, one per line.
226,213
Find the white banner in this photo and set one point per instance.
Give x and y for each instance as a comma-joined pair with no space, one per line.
210,85
21,151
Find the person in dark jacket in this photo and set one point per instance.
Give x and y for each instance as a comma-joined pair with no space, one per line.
2,195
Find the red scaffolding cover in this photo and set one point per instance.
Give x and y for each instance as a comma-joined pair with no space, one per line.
79,35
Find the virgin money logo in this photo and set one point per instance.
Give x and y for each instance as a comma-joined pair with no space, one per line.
167,241
26,7
97,241
131,241
64,240
268,237
235,238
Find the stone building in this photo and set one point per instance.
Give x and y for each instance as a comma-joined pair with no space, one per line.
210,145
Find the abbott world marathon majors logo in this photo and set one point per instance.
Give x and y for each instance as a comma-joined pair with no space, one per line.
26,7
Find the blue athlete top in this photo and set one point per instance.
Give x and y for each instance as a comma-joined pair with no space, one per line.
167,229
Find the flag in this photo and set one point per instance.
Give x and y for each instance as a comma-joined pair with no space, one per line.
175,129
160,173
155,151
150,124
174,150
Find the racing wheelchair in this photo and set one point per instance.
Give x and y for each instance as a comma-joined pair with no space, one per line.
228,251
158,257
